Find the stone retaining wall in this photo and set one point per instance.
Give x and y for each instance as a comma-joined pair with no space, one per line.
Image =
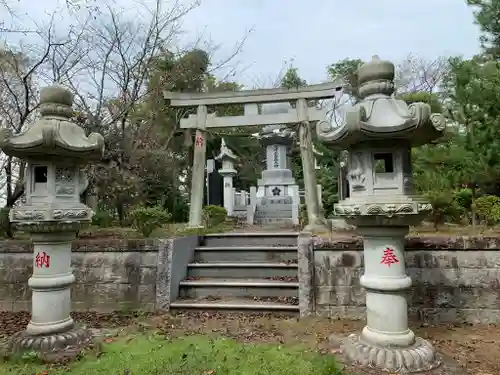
454,279
110,274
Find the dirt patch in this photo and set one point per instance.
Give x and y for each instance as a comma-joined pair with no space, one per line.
12,322
477,348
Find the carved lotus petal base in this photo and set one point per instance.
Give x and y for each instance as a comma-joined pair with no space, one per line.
421,356
65,343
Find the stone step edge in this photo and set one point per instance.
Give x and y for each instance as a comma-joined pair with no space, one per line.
238,284
234,306
242,265
246,248
253,234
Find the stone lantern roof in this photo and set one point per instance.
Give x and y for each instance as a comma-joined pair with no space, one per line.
54,135
225,152
379,116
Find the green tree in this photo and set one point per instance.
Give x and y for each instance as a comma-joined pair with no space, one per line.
487,14
291,79
424,97
347,70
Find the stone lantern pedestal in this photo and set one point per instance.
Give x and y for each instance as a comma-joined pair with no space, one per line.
378,134
55,150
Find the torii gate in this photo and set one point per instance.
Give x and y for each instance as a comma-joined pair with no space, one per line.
300,113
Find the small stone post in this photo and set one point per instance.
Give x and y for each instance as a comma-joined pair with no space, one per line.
227,157
55,149
305,263
379,133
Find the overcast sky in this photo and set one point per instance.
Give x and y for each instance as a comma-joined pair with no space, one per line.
316,33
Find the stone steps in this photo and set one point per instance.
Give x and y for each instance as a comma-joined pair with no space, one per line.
274,221
238,254
264,270
242,272
218,287
251,239
236,305
273,214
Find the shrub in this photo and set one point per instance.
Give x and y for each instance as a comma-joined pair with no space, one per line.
488,208
147,219
102,219
463,198
214,215
443,207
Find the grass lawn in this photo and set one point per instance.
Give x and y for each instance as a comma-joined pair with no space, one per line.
152,354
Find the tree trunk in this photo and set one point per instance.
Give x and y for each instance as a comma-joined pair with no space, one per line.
473,205
121,214
13,195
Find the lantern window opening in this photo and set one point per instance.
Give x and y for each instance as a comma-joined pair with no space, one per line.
40,174
383,162
39,179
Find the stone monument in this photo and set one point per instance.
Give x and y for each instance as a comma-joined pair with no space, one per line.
277,191
379,133
227,157
55,149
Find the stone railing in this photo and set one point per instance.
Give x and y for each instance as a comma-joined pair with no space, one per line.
454,279
110,274
241,198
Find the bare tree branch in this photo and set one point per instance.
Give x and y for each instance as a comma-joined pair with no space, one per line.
418,74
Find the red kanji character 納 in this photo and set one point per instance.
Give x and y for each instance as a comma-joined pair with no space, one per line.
199,141
42,260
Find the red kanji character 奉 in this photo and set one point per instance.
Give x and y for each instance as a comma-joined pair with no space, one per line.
389,257
199,141
42,260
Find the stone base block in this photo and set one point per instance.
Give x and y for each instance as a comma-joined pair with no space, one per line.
52,348
419,357
318,227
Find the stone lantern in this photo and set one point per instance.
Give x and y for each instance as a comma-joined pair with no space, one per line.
54,149
378,134
227,157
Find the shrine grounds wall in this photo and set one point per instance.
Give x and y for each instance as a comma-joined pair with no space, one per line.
454,279
117,274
